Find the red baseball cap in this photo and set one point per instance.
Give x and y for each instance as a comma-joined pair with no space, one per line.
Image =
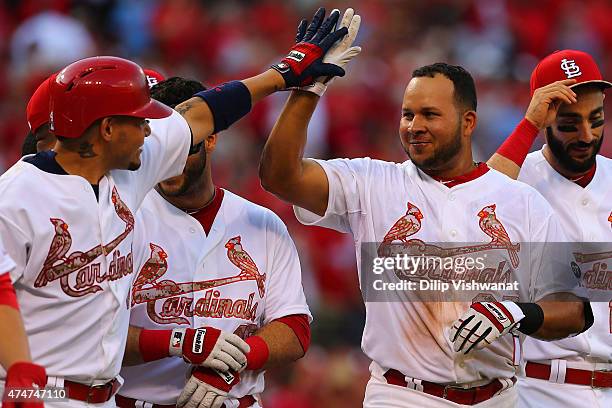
153,77
567,64
37,111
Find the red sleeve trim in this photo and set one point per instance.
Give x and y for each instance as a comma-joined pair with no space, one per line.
519,142
8,297
300,326
154,344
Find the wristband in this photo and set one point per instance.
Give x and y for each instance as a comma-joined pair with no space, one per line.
154,344
533,320
259,353
228,102
519,142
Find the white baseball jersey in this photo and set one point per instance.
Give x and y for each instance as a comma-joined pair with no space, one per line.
369,199
6,263
241,276
586,216
74,253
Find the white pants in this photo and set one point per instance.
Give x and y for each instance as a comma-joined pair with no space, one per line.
535,393
379,394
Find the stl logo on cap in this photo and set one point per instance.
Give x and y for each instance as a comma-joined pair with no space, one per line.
567,64
153,77
570,68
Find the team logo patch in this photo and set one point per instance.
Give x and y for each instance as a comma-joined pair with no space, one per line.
296,56
570,68
499,315
198,341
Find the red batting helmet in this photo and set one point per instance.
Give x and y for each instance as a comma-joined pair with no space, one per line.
97,87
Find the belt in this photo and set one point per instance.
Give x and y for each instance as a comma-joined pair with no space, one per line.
458,395
125,402
93,394
597,379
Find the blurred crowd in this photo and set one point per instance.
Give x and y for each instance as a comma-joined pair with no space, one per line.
498,41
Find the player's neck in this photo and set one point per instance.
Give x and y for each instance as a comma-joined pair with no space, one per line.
198,197
91,169
457,166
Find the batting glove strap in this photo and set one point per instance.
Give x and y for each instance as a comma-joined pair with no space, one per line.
194,345
483,323
209,347
223,381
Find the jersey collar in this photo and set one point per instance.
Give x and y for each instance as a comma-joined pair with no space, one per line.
481,168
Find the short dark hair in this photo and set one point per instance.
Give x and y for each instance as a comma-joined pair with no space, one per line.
465,90
29,144
175,90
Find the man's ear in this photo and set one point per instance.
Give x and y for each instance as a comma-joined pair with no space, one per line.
210,143
105,128
470,119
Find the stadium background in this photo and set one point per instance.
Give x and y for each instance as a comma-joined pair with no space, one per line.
213,41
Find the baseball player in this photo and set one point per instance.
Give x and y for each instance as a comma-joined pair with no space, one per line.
21,374
67,216
567,100
433,354
210,258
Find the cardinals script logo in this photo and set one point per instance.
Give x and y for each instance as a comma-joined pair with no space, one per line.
59,264
148,288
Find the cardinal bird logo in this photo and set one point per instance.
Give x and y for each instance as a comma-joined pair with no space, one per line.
610,218
61,242
494,229
409,224
154,268
243,261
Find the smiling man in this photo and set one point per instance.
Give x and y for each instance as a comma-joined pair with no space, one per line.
451,353
568,102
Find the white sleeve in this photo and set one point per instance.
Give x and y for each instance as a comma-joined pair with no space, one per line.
6,263
16,248
284,292
551,255
346,187
164,153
